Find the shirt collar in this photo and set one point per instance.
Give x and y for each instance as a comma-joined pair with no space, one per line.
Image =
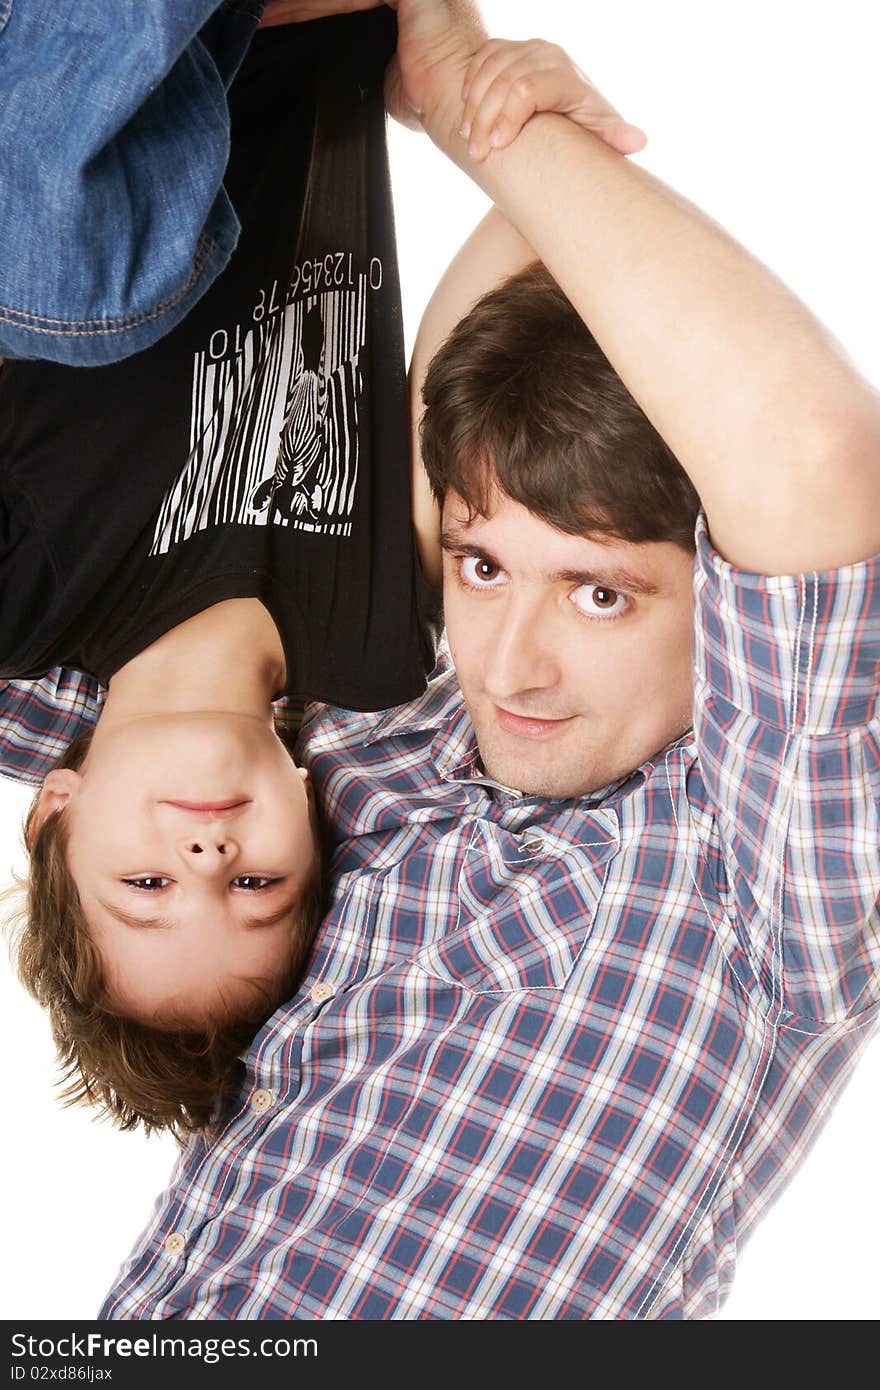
440,704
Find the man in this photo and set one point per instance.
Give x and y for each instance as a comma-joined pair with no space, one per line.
586,983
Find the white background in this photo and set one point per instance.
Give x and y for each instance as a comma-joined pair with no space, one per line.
767,115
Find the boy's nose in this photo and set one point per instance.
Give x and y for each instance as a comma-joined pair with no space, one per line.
208,853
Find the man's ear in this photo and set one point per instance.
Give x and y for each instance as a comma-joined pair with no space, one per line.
55,793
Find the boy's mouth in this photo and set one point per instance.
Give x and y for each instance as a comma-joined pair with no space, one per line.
213,809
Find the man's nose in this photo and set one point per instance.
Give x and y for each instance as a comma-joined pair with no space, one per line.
521,653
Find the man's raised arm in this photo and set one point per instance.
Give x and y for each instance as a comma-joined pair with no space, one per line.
776,428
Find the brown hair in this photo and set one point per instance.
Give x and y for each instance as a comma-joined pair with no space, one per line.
520,396
171,1077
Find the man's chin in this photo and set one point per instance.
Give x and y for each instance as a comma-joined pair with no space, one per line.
534,771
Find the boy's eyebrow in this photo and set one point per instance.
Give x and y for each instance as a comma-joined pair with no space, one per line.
615,576
129,919
286,908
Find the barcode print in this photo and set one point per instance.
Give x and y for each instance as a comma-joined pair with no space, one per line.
274,437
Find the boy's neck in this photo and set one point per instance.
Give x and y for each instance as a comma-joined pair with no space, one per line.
228,658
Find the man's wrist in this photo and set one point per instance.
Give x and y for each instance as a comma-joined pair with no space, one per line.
443,126
437,40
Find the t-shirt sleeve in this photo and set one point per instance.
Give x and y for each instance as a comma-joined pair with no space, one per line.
787,722
28,583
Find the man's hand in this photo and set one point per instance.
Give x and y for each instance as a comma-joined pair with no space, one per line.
446,75
298,11
436,41
507,83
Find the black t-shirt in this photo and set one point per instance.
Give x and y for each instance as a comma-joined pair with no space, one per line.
262,448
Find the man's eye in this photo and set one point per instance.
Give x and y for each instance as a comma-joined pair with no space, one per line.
253,883
151,883
598,601
480,573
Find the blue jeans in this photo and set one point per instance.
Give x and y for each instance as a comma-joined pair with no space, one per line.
114,138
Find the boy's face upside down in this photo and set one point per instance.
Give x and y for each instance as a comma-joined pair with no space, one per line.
191,838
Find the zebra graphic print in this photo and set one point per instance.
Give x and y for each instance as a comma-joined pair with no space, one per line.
274,425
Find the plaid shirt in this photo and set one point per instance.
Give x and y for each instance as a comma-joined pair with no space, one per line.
38,719
553,1059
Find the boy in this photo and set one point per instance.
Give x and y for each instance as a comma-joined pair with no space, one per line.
213,524
147,842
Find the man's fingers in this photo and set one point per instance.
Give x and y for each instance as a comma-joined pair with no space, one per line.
493,58
507,83
487,91
625,138
435,42
487,50
490,75
507,104
610,126
300,11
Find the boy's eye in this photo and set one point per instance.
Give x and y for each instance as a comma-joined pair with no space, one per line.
150,882
253,883
599,601
481,573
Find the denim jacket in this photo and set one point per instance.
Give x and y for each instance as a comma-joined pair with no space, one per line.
114,138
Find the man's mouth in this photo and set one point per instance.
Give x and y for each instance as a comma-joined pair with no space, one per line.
527,725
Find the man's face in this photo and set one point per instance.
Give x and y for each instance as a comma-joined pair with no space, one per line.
191,838
574,656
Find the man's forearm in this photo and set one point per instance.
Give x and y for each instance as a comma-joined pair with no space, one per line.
779,433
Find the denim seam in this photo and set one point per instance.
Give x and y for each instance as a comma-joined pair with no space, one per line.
5,12
25,318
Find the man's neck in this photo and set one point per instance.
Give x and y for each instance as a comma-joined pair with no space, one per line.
226,659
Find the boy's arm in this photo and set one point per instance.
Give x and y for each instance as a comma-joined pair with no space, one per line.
493,251
777,430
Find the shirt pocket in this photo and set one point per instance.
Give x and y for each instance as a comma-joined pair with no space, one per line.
523,908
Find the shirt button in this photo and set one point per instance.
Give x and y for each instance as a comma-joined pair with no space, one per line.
175,1243
260,1101
533,846
321,993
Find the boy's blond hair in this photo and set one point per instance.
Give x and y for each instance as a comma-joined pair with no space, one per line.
162,1077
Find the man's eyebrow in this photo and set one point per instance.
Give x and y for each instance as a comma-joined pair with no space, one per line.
613,576
454,544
